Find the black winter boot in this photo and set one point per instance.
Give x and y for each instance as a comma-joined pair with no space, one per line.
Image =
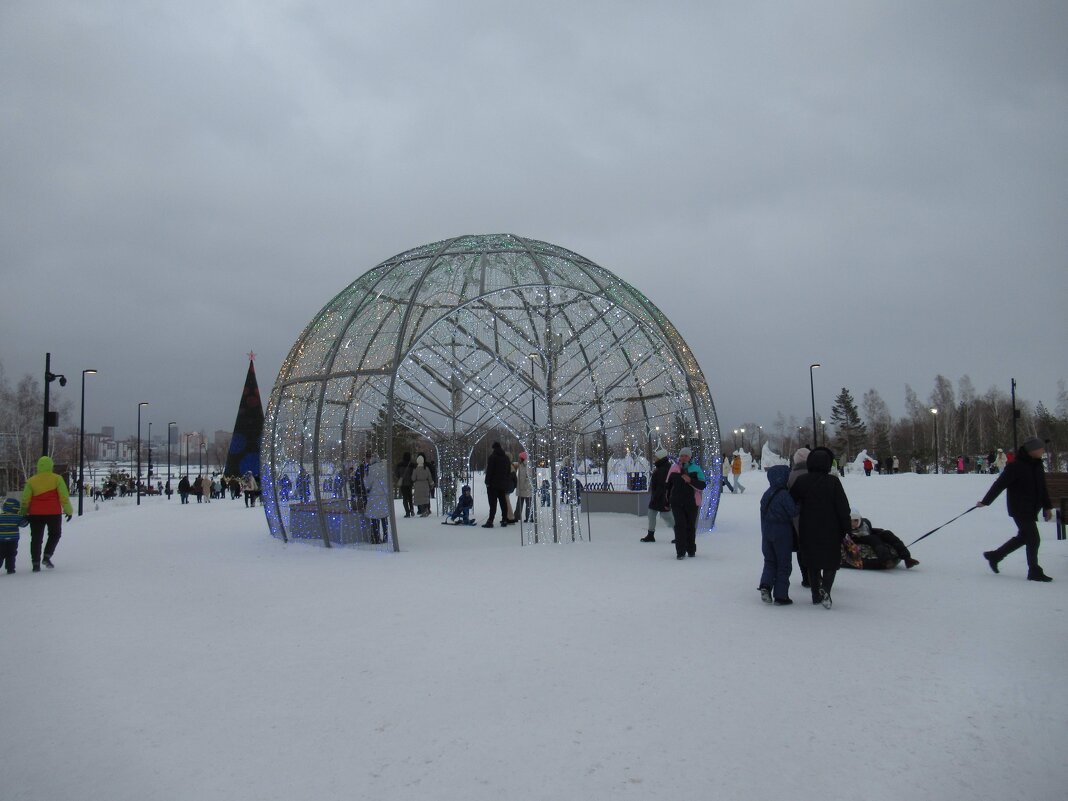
992,560
1037,575
648,538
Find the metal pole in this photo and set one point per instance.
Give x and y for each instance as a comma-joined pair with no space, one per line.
48,380
172,423
137,479
1016,415
935,413
533,412
81,445
812,390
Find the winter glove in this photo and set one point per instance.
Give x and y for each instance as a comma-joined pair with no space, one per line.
68,517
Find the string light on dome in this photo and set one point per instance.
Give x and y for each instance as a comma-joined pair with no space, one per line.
601,359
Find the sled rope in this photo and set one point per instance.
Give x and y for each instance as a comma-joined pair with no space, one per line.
933,530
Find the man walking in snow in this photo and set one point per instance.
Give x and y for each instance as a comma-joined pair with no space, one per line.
45,501
1025,480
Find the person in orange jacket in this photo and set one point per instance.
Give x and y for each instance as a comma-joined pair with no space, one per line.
45,500
736,471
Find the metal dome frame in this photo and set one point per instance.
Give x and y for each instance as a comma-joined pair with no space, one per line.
448,338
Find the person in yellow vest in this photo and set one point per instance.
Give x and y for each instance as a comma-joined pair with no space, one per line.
44,500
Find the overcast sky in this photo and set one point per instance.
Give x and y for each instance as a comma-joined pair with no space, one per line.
881,187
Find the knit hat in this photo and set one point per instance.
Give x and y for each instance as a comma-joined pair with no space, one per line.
1033,444
660,453
801,455
685,452
855,515
522,456
11,505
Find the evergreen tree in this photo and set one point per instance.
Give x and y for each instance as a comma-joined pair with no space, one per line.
851,430
244,452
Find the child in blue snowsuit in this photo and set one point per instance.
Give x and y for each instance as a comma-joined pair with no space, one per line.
777,510
10,521
464,505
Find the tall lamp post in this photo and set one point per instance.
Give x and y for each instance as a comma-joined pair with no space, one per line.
149,471
1015,416
49,378
935,413
812,390
81,445
137,480
187,435
169,426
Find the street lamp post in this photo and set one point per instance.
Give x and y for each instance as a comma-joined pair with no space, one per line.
935,413
172,423
137,480
812,390
49,378
187,435
149,472
81,445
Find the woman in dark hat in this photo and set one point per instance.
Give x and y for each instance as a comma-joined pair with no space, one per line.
823,523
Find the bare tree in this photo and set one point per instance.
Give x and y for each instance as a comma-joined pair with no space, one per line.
943,398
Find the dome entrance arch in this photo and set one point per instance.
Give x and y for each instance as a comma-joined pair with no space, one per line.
466,335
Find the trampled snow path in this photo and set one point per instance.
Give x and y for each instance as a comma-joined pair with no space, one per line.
181,653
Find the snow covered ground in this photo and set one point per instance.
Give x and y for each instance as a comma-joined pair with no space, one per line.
181,653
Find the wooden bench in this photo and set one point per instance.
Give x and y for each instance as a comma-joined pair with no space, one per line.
1057,485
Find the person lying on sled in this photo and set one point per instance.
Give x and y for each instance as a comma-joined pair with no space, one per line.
888,548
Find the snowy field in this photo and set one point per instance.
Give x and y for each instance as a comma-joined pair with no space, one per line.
181,653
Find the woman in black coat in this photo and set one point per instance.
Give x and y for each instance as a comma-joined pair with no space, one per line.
823,524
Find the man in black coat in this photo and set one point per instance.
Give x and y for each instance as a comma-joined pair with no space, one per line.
498,484
823,523
658,500
1025,480
685,483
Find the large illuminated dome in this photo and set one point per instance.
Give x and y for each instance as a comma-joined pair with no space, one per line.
456,338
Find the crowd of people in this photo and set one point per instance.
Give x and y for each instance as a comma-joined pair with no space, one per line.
216,487
804,510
